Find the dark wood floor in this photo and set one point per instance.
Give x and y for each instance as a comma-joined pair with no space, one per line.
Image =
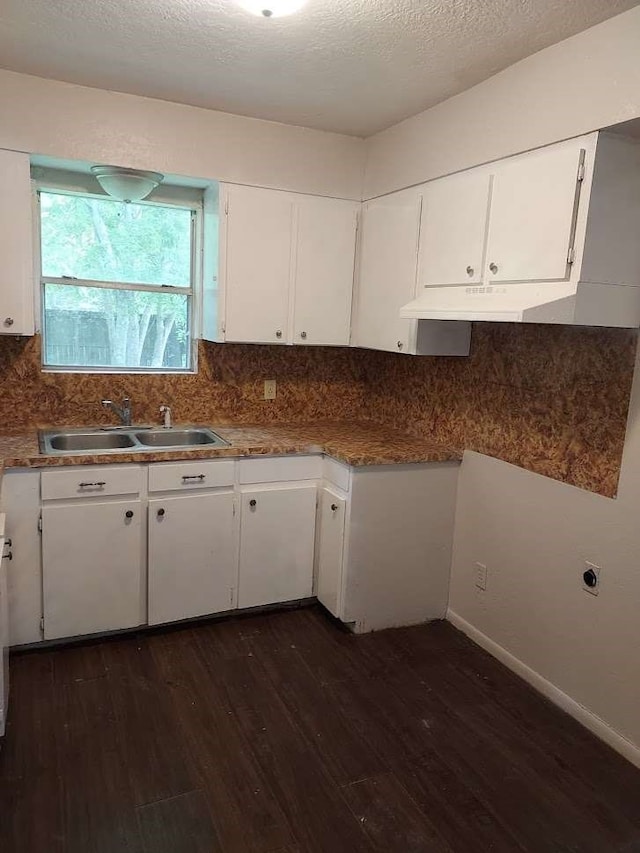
283,733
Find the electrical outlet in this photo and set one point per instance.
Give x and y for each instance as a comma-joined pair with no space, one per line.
591,578
481,576
269,389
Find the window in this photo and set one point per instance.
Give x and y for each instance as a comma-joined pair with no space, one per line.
117,283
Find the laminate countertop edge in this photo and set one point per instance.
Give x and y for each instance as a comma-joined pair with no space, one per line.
356,445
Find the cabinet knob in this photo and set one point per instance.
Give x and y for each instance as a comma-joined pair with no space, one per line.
253,502
334,507
129,513
8,555
278,334
400,344
470,271
160,512
493,267
8,321
303,334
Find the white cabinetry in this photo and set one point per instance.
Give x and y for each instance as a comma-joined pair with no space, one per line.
330,543
324,263
192,540
276,544
92,551
257,264
21,503
4,632
16,245
287,266
393,567
533,211
454,229
92,567
387,280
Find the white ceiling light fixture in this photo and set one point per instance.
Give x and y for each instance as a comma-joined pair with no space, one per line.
272,8
126,184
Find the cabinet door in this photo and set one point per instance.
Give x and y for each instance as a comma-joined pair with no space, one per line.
21,498
325,252
276,545
192,570
387,275
330,545
16,245
257,264
453,229
92,567
533,207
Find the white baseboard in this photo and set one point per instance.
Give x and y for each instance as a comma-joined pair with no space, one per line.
588,719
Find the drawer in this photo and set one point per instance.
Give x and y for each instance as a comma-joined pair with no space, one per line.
91,481
180,476
279,469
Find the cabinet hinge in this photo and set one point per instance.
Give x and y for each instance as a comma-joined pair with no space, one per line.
581,171
42,624
234,506
226,206
571,255
39,524
223,328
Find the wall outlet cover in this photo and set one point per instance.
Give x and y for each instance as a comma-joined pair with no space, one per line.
481,575
269,389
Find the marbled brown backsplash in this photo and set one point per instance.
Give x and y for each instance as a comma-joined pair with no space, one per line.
552,399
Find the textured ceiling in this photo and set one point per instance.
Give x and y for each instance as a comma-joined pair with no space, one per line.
354,66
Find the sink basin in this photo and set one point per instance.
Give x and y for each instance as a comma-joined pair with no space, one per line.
178,438
77,441
127,440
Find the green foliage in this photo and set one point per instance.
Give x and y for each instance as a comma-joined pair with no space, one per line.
106,240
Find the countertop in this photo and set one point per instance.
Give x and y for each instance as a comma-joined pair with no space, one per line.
356,444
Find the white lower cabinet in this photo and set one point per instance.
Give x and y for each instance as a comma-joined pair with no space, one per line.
330,542
277,530
192,556
393,567
92,566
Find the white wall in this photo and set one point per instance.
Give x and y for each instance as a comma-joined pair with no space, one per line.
61,120
534,535
584,83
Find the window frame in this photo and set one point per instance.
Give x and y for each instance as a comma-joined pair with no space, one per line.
193,292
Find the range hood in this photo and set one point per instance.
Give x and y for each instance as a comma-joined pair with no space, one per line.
581,304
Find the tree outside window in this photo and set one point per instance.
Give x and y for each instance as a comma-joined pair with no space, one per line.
145,251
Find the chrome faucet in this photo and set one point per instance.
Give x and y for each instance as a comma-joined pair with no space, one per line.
165,411
123,412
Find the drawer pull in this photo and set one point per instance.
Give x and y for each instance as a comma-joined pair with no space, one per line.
8,555
98,484
129,513
187,477
252,503
160,513
334,507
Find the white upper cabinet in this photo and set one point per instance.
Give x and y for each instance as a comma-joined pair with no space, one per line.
324,262
387,272
287,266
387,280
533,211
454,229
16,245
257,264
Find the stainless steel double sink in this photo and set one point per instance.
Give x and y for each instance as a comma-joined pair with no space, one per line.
127,439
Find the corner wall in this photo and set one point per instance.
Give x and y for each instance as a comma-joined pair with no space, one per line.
534,536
